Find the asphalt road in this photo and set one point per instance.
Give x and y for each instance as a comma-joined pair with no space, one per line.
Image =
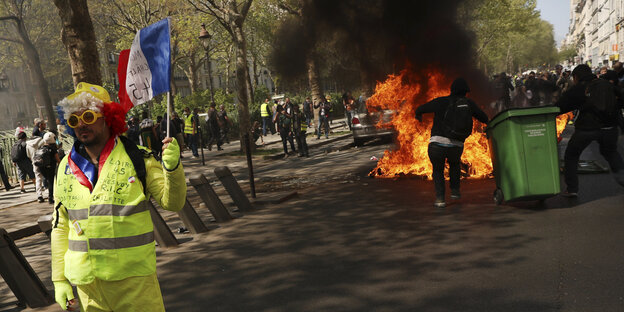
353,243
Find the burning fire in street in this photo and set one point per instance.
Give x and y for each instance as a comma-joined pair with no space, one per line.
403,93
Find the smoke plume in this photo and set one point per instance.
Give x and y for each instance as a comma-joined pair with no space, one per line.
382,37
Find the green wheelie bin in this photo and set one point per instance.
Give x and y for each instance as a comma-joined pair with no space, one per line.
523,147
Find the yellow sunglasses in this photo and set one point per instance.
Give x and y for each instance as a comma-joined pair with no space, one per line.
88,117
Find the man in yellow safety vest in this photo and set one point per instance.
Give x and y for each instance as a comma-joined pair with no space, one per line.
190,130
266,113
103,236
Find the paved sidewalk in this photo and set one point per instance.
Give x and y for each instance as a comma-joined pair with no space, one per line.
378,245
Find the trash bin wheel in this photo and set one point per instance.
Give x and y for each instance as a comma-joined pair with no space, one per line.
498,196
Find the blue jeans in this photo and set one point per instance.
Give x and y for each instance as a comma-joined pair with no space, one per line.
349,116
193,144
323,122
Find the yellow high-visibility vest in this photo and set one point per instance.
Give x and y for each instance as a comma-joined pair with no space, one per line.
109,232
188,124
264,112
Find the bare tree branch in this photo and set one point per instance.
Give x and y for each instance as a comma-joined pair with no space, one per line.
10,17
282,5
11,40
245,8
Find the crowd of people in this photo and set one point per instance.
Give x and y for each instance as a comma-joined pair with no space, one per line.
35,158
186,129
289,121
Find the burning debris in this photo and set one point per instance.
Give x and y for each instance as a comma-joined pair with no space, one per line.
403,94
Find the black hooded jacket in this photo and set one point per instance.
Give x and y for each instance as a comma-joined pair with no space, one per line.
587,118
438,106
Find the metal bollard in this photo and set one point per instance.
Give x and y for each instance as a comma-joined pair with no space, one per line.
231,186
210,198
162,233
19,275
190,218
45,224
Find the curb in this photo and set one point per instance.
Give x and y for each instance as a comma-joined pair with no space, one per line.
310,146
276,198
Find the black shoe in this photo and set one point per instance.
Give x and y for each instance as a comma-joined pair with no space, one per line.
569,194
51,201
219,148
8,188
23,191
40,199
455,194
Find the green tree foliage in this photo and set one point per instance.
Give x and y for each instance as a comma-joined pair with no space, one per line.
567,53
510,34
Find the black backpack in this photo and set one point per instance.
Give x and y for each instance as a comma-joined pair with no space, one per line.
137,156
457,121
18,151
600,95
43,157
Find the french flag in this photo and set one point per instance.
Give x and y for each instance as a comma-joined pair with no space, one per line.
145,70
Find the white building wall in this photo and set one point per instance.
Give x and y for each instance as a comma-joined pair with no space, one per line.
597,31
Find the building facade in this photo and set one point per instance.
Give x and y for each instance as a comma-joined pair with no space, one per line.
596,31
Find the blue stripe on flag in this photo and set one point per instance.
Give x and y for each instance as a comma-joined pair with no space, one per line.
155,45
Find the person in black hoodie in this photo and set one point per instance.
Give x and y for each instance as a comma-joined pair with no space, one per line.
441,147
590,125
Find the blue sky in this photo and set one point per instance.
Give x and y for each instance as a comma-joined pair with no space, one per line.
557,12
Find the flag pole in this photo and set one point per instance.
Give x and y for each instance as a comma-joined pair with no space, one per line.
168,111
169,82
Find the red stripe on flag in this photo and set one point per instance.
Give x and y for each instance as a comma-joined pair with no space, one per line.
122,68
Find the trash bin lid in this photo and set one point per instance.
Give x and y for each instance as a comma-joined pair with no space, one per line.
519,112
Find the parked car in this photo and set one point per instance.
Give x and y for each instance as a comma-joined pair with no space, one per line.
364,124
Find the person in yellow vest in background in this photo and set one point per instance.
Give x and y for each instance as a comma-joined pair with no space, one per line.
266,112
190,130
102,235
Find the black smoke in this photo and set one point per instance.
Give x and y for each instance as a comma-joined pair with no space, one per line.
382,37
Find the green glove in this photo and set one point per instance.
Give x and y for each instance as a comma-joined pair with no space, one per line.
63,292
171,155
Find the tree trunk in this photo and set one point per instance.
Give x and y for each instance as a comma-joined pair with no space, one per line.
228,69
243,85
315,83
34,64
191,74
174,89
78,37
509,59
256,75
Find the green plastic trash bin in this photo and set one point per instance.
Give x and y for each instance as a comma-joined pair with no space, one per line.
523,147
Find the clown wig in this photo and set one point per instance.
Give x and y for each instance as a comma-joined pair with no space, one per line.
95,98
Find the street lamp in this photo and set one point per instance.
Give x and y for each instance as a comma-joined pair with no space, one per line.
205,37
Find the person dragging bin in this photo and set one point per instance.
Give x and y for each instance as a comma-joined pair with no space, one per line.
452,124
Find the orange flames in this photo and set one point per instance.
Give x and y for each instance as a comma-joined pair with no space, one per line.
402,93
